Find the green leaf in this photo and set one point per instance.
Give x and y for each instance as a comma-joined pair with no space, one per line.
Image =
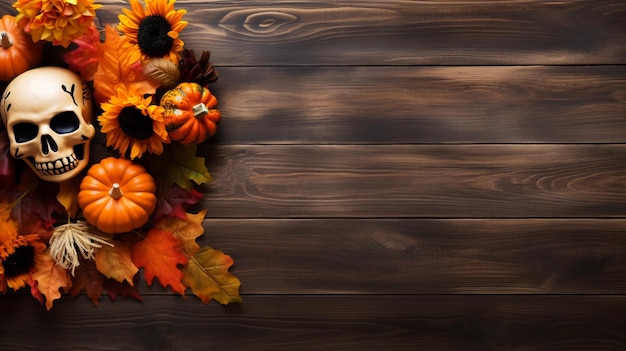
180,165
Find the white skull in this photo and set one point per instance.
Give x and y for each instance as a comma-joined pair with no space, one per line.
47,112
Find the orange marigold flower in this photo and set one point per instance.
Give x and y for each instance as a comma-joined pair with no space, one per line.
56,21
132,123
154,28
19,254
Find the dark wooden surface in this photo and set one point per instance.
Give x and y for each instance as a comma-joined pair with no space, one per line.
396,175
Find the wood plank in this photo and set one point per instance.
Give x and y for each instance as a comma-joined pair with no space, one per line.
388,322
415,181
344,105
400,32
393,256
423,256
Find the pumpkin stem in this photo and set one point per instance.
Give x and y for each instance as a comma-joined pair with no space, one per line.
5,40
200,110
116,191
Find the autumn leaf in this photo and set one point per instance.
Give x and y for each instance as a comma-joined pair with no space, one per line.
119,64
50,278
173,200
180,165
32,199
207,275
163,71
68,195
159,255
115,262
84,59
186,231
34,290
88,279
115,288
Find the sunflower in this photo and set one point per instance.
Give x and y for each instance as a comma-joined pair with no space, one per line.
56,21
19,254
154,28
130,121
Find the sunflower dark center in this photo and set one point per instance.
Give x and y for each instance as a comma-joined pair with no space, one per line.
135,124
152,36
19,262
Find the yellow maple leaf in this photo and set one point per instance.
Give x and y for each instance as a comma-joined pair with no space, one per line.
50,278
207,275
187,231
115,262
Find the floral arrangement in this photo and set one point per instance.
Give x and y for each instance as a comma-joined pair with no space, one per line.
129,210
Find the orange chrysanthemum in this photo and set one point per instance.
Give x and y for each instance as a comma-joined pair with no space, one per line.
56,21
19,254
154,28
131,122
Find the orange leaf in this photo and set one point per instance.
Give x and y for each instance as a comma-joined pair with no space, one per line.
159,255
187,231
119,64
115,262
50,278
208,277
68,195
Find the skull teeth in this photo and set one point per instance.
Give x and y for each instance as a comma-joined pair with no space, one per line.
59,166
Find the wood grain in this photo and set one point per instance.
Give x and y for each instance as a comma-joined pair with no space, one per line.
394,175
343,105
411,181
387,322
399,256
400,32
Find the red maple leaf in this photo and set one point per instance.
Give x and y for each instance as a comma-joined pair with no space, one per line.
115,288
173,201
84,59
159,255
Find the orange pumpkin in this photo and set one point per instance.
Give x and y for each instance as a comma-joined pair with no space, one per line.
18,53
190,113
117,195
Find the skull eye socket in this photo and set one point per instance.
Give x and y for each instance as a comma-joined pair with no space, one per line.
25,131
65,122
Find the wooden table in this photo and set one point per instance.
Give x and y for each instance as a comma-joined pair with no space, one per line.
395,175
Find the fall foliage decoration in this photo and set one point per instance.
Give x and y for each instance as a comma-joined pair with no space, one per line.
135,215
190,114
154,28
18,52
133,124
55,21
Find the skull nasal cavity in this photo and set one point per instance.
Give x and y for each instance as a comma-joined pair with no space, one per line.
47,144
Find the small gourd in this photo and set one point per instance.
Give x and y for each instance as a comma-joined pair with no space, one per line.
191,113
18,52
117,195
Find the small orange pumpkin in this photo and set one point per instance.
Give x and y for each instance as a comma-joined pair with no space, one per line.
117,195
190,113
18,52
